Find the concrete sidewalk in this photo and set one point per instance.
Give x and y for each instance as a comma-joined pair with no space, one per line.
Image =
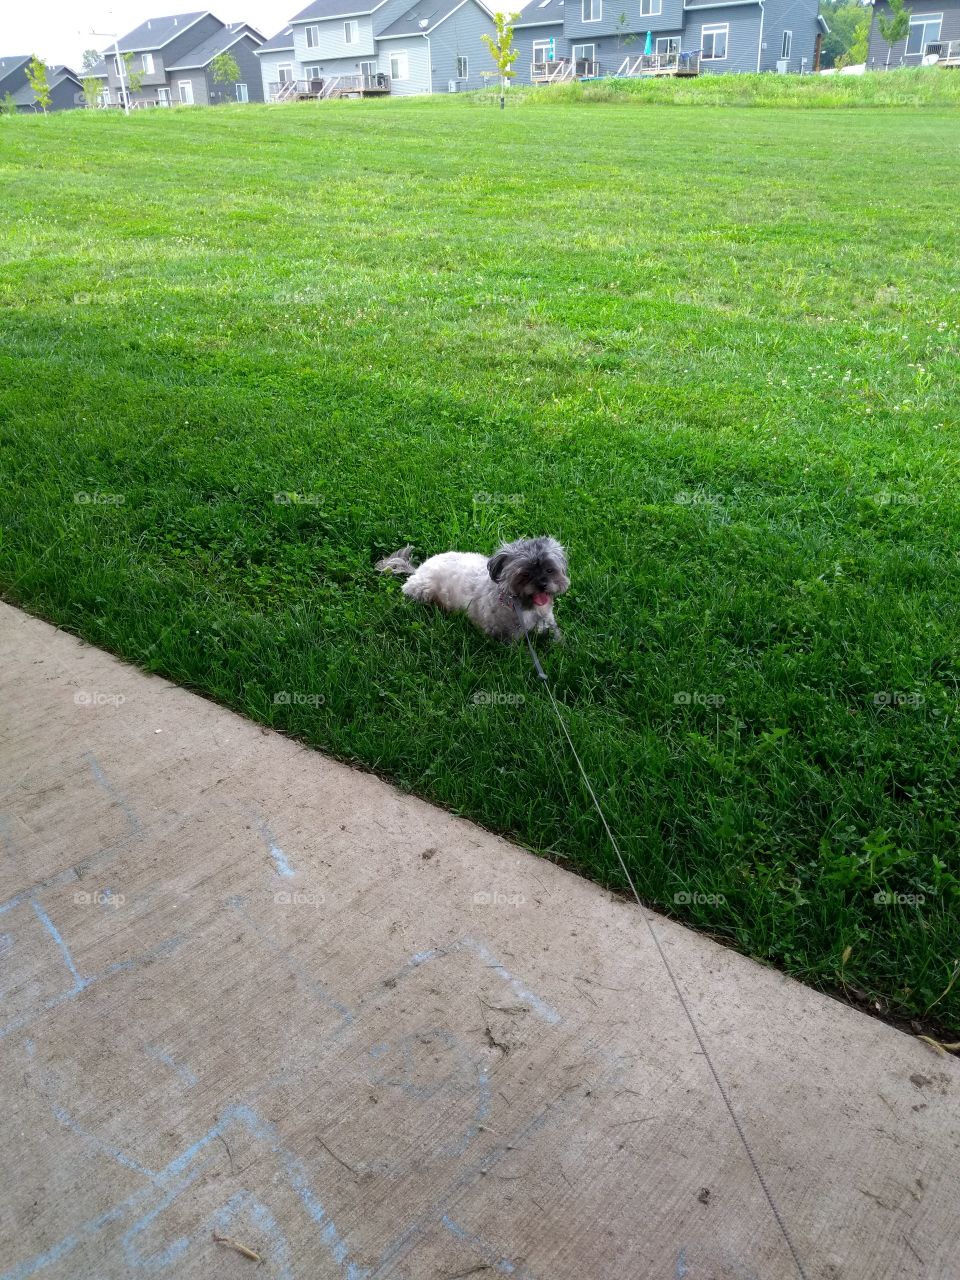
249,992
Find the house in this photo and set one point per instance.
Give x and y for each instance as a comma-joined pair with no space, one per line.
566,39
172,56
13,74
360,48
934,35
66,91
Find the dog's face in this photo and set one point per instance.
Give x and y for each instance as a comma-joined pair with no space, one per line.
532,570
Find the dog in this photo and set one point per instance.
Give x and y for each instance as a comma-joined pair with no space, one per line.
505,595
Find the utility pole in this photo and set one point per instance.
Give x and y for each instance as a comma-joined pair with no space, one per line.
105,35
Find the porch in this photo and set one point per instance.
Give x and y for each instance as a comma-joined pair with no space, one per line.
563,69
946,52
661,64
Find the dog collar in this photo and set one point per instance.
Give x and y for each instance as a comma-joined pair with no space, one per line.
506,601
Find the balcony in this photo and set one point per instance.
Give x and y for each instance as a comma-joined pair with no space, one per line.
946,52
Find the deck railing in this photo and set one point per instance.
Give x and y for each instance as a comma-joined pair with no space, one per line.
944,50
652,64
563,69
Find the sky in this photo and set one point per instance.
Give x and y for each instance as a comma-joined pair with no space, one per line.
59,30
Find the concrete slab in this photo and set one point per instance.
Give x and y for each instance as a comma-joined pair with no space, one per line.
249,992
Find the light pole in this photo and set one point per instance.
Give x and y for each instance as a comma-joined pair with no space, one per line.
106,35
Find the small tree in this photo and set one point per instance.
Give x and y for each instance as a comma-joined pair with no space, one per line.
856,55
225,69
895,25
8,106
37,75
133,78
90,59
502,50
92,89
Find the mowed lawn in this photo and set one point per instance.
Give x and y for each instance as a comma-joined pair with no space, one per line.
246,352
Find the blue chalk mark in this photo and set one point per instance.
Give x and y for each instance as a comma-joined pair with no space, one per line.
682,1268
276,853
540,1007
420,957
30,1047
490,1256
185,1074
116,796
245,1207
51,928
113,1152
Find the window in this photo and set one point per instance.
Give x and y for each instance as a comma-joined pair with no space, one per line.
668,46
313,37
105,95
786,45
399,67
312,73
147,61
351,32
463,67
924,30
119,68
368,68
163,96
583,52
713,42
592,10
285,73
543,51
650,8
242,94
185,89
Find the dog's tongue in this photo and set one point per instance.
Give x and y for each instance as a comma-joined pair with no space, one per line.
541,598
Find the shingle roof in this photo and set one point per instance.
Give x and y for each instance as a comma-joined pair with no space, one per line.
336,9
156,32
540,12
421,19
217,43
10,66
283,40
25,97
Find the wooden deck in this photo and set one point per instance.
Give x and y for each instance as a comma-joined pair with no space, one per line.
351,86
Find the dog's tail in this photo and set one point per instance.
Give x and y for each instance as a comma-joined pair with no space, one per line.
400,563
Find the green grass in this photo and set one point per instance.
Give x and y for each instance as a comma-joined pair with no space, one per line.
714,352
903,87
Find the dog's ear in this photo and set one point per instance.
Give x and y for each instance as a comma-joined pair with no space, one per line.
496,565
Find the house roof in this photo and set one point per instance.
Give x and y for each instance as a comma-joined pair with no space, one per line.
336,9
220,42
540,13
279,43
10,66
98,70
25,97
157,32
421,19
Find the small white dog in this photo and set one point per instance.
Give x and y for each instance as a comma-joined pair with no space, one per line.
506,595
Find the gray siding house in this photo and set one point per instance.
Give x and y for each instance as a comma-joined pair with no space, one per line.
172,55
66,91
354,47
934,33
603,37
13,73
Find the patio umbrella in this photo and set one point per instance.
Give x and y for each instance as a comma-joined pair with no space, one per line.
648,47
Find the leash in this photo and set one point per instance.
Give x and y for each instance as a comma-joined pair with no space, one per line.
778,1217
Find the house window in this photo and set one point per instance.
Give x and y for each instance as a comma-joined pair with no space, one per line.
119,68
147,61
650,8
399,67
105,95
163,96
185,89
592,10
544,51
713,42
312,73
786,45
668,46
242,94
583,53
924,30
285,73
463,67
368,68
313,37
351,32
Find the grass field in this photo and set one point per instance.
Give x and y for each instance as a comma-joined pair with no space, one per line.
246,352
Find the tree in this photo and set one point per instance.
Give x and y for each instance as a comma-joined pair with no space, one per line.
37,75
844,19
90,59
8,106
134,78
502,50
92,89
225,68
895,25
856,54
